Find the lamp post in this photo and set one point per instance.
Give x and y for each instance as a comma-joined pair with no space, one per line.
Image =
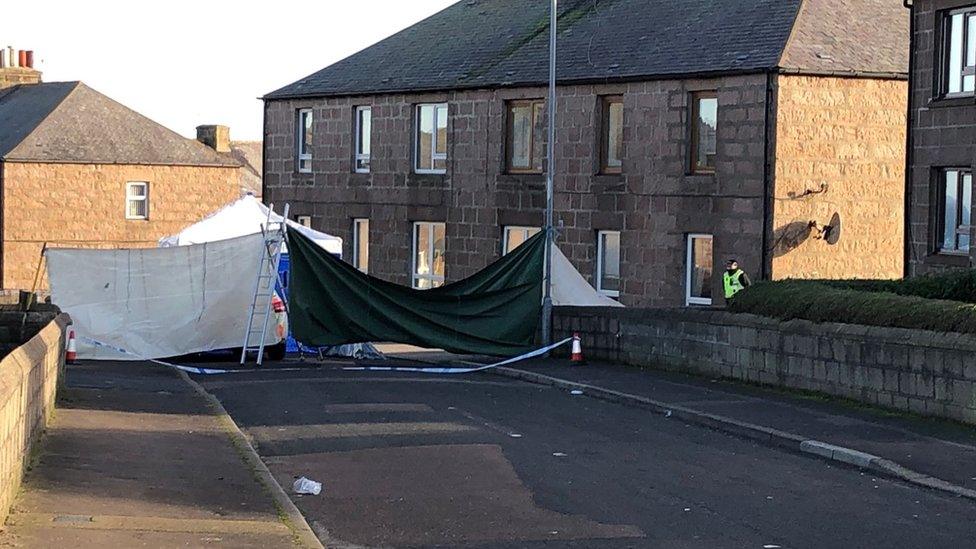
550,169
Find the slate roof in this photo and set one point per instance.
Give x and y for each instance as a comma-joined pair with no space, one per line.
496,43
850,36
70,122
250,155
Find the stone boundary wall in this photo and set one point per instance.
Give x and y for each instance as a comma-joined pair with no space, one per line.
914,370
28,386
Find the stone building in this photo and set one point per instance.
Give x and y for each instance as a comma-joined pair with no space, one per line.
78,169
247,153
687,133
942,136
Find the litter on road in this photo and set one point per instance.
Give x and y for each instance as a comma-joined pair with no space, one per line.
576,392
307,486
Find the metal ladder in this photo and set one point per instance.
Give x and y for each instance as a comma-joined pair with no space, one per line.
264,286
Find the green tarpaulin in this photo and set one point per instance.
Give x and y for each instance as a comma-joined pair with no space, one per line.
494,312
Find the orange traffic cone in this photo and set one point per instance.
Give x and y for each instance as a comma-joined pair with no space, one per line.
577,357
71,355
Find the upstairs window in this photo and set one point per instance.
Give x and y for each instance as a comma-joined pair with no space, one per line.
515,236
364,130
304,140
304,220
431,154
608,263
957,203
137,200
612,142
959,52
704,131
428,255
525,141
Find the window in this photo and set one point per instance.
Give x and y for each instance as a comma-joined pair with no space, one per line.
360,244
698,284
957,202
608,263
704,136
431,154
137,200
526,136
304,220
428,255
612,142
959,52
515,236
304,140
364,130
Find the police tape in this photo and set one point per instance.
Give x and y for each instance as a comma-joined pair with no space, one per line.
526,356
431,370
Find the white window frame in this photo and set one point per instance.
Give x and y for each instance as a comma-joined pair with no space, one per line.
304,220
434,155
966,59
129,198
356,224
599,264
509,228
361,156
963,195
414,276
689,266
302,157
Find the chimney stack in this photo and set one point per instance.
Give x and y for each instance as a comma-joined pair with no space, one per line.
17,67
214,136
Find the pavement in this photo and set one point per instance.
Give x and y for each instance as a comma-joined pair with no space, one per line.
136,458
415,460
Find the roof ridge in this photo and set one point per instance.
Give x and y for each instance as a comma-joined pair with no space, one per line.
173,133
800,8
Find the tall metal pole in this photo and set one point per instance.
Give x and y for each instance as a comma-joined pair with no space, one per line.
550,170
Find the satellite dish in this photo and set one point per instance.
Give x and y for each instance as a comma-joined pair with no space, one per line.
833,236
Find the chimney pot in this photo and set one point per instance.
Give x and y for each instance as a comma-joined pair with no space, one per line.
30,59
214,136
22,58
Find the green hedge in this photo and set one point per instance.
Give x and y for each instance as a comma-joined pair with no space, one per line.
862,302
953,285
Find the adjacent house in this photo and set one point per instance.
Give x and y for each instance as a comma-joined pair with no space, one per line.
247,153
687,133
942,136
78,169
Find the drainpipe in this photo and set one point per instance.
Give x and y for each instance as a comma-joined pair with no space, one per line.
909,145
766,266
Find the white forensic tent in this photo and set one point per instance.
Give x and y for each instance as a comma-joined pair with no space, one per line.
242,217
570,289
158,302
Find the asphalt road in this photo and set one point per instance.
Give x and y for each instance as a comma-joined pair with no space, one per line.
410,460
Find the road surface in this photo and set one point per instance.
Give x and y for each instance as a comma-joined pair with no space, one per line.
413,460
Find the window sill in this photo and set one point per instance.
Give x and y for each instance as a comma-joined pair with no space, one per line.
958,101
521,178
427,179
957,259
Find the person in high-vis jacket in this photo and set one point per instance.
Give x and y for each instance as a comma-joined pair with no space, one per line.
735,279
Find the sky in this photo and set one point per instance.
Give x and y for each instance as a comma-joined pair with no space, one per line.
184,63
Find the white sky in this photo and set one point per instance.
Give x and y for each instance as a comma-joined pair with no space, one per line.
189,62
